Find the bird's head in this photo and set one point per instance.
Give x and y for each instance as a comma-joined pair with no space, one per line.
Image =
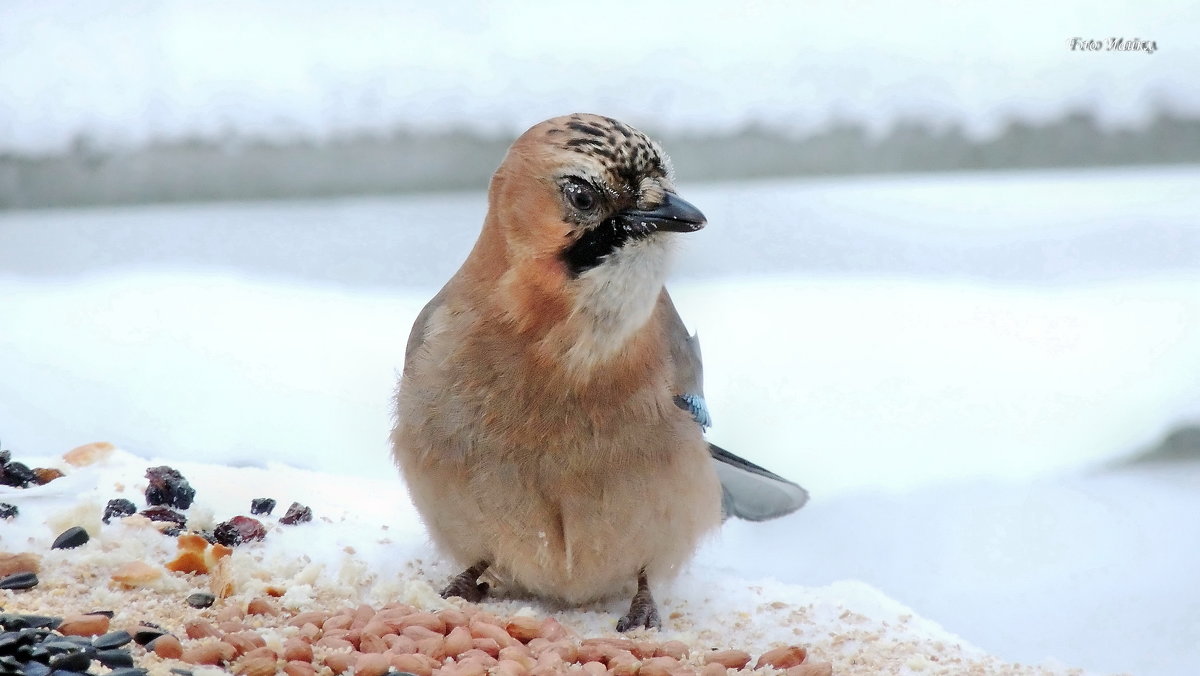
577,240
587,189
581,217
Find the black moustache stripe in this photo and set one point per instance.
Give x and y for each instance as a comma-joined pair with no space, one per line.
601,241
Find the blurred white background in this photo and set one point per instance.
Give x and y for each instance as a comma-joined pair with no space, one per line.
950,282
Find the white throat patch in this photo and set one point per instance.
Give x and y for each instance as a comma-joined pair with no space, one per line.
617,297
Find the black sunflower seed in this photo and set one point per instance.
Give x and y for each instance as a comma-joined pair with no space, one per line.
76,661
71,538
114,659
58,646
19,581
201,600
111,640
146,635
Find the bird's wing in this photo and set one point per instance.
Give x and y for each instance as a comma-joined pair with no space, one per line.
416,337
752,493
748,491
689,369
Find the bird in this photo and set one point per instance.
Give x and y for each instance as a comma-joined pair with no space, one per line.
550,415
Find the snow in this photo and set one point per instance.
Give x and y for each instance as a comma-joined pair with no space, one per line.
125,73
366,545
962,427
238,370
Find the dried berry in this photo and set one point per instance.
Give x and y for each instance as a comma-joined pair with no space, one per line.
168,487
118,507
161,513
71,538
44,475
297,513
8,511
262,505
237,530
16,474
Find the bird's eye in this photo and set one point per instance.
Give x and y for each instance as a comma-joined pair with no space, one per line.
581,196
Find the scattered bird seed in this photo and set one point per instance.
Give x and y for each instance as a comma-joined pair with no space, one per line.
111,640
168,487
71,538
118,507
237,530
8,511
262,506
161,513
114,659
146,635
71,661
9,663
44,475
16,474
10,641
28,647
19,581
17,622
296,513
201,600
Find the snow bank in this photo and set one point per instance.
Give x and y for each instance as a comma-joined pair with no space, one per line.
909,382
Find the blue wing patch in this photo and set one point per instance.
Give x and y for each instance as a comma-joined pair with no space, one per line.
694,404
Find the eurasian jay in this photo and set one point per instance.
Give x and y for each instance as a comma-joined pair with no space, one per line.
550,415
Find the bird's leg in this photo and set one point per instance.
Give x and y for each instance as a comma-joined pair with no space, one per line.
466,585
642,610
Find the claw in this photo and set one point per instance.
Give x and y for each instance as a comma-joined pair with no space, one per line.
643,612
466,584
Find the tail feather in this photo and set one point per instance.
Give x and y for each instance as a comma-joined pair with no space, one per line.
751,492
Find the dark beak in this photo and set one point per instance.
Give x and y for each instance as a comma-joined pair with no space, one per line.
675,214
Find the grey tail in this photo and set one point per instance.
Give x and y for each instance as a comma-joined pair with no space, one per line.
752,493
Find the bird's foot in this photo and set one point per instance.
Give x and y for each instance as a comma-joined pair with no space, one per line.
643,612
466,585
